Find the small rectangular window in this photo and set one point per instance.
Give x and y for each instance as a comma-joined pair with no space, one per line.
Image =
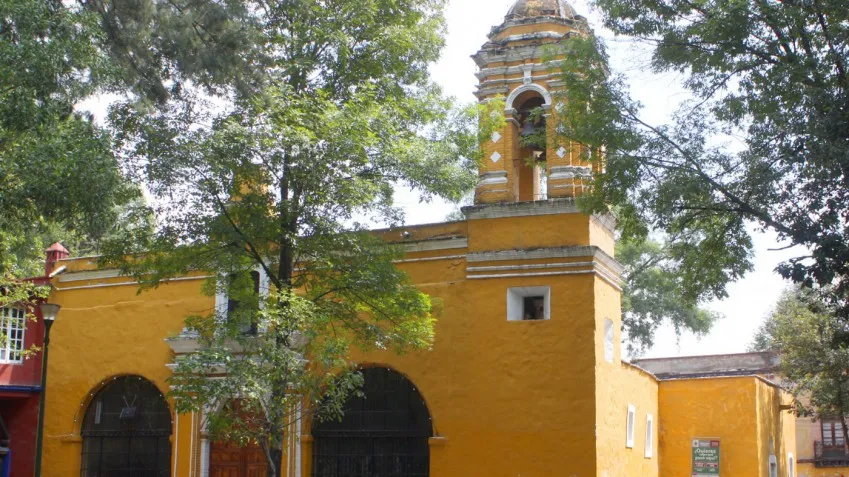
629,429
533,308
13,329
608,340
649,436
791,465
528,303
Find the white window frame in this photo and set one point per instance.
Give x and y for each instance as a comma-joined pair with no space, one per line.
609,338
649,436
630,423
515,302
791,465
222,296
12,319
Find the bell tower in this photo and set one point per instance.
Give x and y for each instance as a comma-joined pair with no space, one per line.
524,161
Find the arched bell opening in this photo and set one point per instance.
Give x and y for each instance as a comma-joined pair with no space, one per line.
529,162
126,431
383,433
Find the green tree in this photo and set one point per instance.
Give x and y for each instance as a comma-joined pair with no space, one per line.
763,141
58,176
805,330
282,181
653,294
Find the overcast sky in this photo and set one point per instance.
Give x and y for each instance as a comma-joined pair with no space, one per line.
749,300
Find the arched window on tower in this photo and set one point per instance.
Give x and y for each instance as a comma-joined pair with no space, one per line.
529,161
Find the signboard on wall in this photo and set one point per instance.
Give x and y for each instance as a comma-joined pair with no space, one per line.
705,457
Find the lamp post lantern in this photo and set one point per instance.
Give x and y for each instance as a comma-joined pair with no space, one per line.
48,314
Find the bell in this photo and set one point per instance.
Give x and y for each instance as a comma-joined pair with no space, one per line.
528,129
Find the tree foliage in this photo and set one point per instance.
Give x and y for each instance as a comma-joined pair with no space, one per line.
805,330
653,295
57,170
772,74
281,178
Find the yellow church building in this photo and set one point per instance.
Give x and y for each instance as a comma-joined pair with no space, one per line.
525,378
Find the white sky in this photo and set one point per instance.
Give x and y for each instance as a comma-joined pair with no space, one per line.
749,300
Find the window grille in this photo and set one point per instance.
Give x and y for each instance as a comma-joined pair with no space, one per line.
126,431
384,434
13,324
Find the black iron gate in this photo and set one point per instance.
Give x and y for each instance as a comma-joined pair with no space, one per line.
383,435
126,431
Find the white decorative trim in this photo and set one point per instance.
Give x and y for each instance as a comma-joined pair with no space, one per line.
430,259
90,275
506,81
570,172
561,153
121,284
442,244
495,157
491,178
521,209
176,440
204,456
526,74
532,266
546,96
538,35
509,70
596,272
495,137
545,253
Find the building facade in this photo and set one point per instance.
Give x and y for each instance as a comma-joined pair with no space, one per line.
525,376
21,337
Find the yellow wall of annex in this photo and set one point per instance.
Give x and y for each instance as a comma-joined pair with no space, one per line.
104,330
619,385
737,410
776,428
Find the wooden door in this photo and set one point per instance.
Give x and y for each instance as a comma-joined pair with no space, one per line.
229,460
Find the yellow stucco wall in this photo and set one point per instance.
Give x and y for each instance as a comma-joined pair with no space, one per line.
103,332
740,411
618,386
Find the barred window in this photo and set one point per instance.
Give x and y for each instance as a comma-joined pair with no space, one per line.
13,324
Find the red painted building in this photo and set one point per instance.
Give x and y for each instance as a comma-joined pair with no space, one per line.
20,379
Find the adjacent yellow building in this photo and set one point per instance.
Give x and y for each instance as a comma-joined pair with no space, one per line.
525,377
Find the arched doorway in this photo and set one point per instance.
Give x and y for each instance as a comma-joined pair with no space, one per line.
384,434
126,431
229,459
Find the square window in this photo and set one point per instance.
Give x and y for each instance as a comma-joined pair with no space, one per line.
528,303
629,429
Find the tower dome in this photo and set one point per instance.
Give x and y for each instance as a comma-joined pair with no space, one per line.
541,8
